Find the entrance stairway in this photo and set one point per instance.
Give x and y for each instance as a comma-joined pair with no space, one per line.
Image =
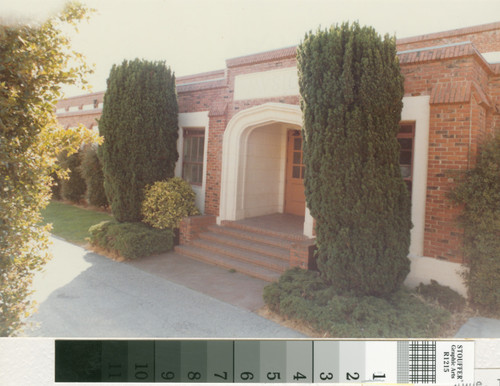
248,249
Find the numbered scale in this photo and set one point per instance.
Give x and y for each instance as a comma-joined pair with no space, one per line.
265,361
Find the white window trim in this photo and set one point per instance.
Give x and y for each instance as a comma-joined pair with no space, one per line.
199,120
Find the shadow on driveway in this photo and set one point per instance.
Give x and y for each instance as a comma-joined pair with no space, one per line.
83,294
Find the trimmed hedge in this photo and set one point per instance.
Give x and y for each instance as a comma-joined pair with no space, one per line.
479,193
304,296
131,240
140,130
351,90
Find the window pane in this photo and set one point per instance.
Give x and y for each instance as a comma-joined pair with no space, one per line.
406,128
199,177
186,148
296,172
297,144
405,171
405,157
186,172
303,171
201,141
406,143
296,157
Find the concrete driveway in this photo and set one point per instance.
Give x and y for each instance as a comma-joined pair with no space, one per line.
83,294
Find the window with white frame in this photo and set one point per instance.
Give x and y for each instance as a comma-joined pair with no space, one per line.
192,161
406,139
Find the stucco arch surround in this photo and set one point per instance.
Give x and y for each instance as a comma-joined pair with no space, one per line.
234,152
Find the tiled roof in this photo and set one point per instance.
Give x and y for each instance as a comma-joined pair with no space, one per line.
210,75
437,53
282,53
451,33
459,92
202,85
449,51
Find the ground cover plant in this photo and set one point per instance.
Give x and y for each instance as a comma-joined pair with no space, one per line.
70,222
303,295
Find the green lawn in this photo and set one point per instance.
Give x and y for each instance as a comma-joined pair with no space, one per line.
70,222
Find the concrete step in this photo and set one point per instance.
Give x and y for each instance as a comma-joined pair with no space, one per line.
263,231
254,245
224,261
247,235
236,253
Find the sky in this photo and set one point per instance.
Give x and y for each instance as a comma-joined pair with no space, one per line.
194,36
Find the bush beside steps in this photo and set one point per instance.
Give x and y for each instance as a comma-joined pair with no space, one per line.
131,240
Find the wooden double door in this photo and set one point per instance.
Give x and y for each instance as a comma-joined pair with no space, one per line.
295,200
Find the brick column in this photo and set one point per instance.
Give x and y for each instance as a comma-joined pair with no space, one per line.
302,254
192,226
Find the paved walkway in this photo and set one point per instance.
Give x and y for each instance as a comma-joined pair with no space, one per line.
83,294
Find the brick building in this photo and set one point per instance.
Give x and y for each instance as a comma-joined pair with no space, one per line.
240,145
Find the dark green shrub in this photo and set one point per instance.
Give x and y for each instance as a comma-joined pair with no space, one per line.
305,296
166,203
73,188
131,240
352,88
91,171
479,193
139,126
443,295
55,188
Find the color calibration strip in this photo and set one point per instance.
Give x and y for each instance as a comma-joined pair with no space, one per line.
265,361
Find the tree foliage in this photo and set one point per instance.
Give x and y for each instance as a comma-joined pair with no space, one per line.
73,187
352,89
35,60
91,171
479,193
139,126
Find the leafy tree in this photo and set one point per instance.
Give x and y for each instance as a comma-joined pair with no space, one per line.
352,90
91,171
478,190
139,126
73,187
34,61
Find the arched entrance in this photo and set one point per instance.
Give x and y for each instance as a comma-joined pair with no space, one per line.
254,162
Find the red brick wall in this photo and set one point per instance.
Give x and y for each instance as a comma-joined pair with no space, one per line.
191,227
464,90
86,118
214,164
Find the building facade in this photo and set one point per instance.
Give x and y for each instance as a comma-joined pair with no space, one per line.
240,144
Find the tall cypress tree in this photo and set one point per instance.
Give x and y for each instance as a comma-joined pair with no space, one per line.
139,126
352,88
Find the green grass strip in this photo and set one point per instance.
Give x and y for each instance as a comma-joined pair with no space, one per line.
70,222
